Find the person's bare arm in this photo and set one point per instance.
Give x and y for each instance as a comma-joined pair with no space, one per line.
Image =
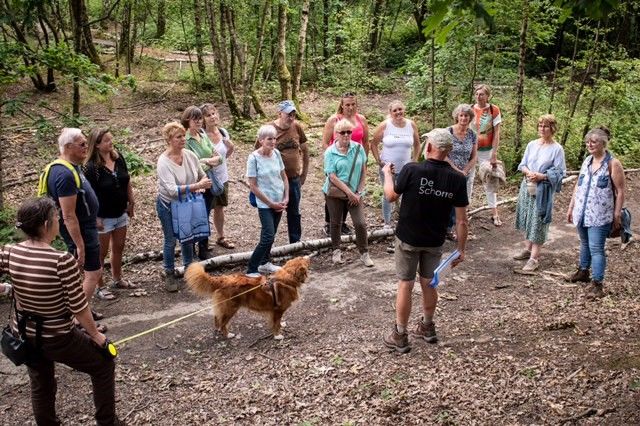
495,145
472,161
305,162
327,132
377,140
365,134
416,142
462,230
130,200
85,318
572,203
389,192
617,178
68,207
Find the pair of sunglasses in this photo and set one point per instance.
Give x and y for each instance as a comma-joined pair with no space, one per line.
345,132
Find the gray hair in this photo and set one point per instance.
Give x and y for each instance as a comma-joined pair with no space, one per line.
266,131
440,139
68,135
600,134
462,109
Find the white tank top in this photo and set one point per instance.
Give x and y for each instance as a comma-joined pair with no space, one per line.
396,144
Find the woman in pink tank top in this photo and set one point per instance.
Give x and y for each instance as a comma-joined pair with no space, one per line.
348,109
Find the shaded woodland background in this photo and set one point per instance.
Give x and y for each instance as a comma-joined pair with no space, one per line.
576,59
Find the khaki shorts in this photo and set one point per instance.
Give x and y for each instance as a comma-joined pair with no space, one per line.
409,259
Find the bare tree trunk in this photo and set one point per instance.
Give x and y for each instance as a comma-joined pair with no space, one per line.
197,8
420,12
574,106
376,27
326,8
221,62
264,18
556,65
88,48
432,65
591,110
284,76
125,34
76,20
240,53
161,21
302,40
474,66
521,76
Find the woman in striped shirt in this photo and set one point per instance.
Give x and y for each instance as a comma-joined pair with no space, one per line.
48,289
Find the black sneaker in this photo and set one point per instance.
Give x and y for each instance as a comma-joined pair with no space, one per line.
345,229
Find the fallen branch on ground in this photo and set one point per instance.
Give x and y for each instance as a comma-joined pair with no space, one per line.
235,258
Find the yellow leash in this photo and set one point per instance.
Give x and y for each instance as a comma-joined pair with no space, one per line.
166,324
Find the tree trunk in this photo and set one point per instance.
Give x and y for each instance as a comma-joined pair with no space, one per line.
574,106
197,8
88,48
239,50
521,75
432,65
76,22
125,35
420,12
264,18
592,109
284,76
376,27
161,21
474,65
302,40
326,8
221,62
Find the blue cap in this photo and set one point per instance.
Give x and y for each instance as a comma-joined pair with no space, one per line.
286,106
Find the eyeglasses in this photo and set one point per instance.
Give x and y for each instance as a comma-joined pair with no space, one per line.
81,144
592,142
397,110
345,132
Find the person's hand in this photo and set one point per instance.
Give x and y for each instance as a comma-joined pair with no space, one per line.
387,167
99,338
459,259
99,224
130,209
204,183
354,199
493,160
278,207
617,221
80,256
215,161
303,179
570,214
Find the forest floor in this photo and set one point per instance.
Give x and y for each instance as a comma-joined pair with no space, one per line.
514,349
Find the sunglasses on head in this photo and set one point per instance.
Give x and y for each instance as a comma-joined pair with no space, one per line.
345,132
348,95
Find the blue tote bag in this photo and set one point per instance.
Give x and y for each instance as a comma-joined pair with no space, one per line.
189,217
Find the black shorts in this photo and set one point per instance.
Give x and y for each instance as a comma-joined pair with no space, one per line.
91,247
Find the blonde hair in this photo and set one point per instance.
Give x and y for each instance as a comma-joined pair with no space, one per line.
549,120
484,87
171,129
343,125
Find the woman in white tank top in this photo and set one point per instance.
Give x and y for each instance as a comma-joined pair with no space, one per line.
400,145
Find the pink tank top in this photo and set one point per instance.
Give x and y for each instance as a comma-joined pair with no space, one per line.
358,131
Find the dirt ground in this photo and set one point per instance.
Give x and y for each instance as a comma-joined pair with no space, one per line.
514,349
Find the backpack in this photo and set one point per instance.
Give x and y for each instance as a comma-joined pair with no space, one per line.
44,176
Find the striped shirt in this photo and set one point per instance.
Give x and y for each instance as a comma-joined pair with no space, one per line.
46,282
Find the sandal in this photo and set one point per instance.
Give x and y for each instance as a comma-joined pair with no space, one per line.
122,284
223,242
496,220
103,293
97,316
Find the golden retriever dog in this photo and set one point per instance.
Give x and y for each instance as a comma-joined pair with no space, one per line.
229,293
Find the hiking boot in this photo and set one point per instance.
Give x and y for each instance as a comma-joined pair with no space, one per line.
523,255
426,331
170,281
345,230
366,259
594,290
336,257
531,265
268,268
581,275
398,342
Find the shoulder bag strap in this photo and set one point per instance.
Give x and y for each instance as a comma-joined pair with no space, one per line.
353,165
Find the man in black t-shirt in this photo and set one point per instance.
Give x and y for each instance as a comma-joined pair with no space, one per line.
429,190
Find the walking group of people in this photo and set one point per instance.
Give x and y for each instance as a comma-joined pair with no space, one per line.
89,201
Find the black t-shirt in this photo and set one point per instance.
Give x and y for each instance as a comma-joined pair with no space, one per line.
430,190
110,187
61,183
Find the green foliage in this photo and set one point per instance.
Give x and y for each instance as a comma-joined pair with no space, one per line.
8,231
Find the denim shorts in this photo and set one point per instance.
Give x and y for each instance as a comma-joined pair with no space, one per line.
409,259
113,223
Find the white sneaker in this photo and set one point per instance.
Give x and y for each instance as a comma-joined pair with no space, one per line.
387,226
531,265
268,268
337,256
366,259
252,275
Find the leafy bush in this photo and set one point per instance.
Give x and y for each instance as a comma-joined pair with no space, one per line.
8,231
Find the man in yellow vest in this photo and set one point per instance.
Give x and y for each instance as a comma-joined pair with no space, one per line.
78,204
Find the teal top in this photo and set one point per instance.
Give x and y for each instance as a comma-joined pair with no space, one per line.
203,149
340,164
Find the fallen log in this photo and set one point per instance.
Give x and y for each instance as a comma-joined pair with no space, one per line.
577,172
235,258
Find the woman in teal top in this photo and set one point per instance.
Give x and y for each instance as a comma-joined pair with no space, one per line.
345,164
199,143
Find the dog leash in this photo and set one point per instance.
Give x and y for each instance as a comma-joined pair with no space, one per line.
166,324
